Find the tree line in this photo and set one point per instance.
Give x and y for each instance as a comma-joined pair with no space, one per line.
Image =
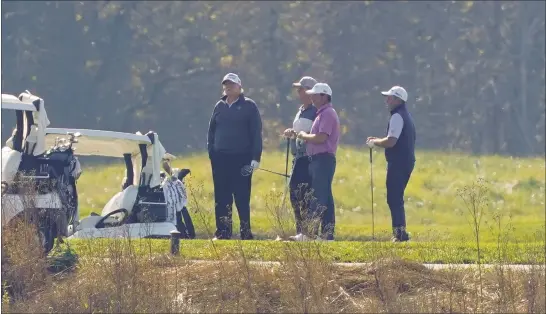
474,71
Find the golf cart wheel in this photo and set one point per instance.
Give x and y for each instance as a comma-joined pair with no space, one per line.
46,228
42,233
46,238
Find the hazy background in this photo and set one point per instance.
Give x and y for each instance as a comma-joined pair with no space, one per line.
474,71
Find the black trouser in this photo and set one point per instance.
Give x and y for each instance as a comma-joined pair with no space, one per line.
322,168
230,184
300,186
186,229
398,175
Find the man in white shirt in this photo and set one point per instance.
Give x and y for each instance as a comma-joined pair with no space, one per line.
399,145
300,179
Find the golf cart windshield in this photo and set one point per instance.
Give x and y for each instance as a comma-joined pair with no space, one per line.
28,136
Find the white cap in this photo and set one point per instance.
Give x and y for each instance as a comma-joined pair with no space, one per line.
397,91
306,81
320,88
233,78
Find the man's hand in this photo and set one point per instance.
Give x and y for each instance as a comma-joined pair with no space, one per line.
255,165
371,141
289,133
302,135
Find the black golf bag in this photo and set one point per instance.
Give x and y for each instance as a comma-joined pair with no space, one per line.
54,172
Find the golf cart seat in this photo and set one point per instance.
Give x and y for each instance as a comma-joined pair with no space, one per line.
122,200
10,164
150,204
125,199
32,168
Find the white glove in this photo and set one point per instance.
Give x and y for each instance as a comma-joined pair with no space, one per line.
370,143
255,165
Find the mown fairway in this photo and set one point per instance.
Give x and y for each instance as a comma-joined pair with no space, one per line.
434,210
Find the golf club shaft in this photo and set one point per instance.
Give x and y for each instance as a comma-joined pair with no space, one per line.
273,172
287,153
371,188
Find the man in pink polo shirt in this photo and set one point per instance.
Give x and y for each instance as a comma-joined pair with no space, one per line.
321,148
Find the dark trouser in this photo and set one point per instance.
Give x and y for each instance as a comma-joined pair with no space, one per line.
230,184
300,187
398,176
322,169
186,229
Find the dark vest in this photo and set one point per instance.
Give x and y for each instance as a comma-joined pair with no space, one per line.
403,152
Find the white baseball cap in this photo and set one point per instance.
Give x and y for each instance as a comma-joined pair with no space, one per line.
306,81
397,91
232,77
320,88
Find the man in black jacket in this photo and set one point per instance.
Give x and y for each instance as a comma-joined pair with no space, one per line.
399,147
234,141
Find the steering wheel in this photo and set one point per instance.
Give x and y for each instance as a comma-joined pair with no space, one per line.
100,223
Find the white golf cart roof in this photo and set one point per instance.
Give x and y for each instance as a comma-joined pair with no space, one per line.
99,142
13,103
117,144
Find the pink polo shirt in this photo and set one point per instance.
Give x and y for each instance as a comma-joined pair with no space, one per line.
326,122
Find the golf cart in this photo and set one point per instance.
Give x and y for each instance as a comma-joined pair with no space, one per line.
38,186
139,210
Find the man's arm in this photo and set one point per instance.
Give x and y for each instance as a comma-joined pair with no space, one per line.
314,138
326,128
212,127
256,132
396,124
386,142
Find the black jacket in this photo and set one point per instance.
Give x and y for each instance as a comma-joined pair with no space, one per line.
236,129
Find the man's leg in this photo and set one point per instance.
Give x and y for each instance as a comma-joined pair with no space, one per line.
242,190
306,193
298,186
397,180
321,185
328,220
222,196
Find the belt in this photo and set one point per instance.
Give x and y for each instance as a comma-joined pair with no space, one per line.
316,156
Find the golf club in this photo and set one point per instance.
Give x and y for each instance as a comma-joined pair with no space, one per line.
286,191
371,188
247,170
287,153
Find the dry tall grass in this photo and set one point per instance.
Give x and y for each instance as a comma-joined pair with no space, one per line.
304,281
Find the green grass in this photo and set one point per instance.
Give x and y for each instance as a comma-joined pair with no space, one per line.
433,210
339,251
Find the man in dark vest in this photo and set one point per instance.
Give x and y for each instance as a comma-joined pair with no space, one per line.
399,147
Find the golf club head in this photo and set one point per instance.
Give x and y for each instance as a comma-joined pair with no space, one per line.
183,173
